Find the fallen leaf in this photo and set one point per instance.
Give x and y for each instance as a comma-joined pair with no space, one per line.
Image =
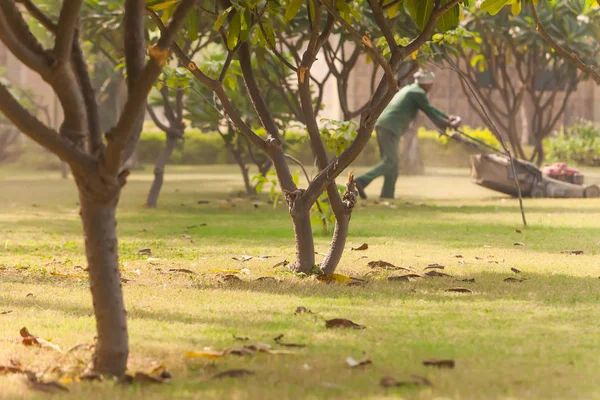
141,377
302,310
5,312
479,258
363,246
461,262
279,342
231,278
342,323
459,290
388,381
513,280
203,202
47,387
233,373
266,278
439,363
329,278
243,258
405,278
434,266
471,280
519,244
516,271
357,283
187,271
386,265
573,252
5,370
29,340
186,236
281,264
226,271
458,256
213,355
518,230
125,280
352,363
241,339
436,274
144,252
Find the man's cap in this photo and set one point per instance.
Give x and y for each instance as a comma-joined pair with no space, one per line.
424,77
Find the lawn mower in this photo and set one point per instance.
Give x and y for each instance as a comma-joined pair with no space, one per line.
491,168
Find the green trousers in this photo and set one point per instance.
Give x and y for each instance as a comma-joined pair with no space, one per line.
388,166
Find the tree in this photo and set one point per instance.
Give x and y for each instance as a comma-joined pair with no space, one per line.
513,64
242,26
96,164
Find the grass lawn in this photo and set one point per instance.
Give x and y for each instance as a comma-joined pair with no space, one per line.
535,339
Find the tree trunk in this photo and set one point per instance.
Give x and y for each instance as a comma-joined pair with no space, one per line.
305,247
159,171
340,233
411,162
99,226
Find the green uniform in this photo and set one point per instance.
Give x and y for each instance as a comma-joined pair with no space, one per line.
391,125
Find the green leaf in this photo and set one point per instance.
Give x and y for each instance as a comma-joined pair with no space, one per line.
292,9
192,25
234,30
166,15
516,7
393,10
161,5
493,7
219,22
420,11
450,19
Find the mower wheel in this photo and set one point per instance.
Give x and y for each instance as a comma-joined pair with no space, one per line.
538,191
592,191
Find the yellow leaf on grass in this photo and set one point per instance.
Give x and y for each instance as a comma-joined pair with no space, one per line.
334,278
213,355
226,271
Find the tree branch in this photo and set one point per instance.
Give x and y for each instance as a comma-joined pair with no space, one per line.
122,138
68,21
40,133
39,15
566,54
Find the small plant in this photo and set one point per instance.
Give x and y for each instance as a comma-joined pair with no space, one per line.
577,144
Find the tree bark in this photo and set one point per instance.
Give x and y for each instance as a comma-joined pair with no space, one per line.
338,243
305,247
99,226
159,171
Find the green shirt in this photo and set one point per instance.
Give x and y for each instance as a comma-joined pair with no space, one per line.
403,109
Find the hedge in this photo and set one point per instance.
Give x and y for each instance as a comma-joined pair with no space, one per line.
199,148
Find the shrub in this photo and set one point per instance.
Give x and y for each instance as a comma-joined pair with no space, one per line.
578,144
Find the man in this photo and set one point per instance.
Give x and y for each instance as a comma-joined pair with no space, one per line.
393,123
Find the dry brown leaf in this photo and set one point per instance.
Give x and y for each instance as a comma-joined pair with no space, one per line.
187,271
352,363
144,252
388,381
363,246
434,266
519,244
516,271
386,265
203,202
405,278
30,295
5,312
233,373
231,278
458,256
459,290
302,310
7,369
141,377
84,346
281,264
435,274
243,258
357,283
513,280
573,252
518,230
241,339
29,340
439,363
471,280
342,323
266,278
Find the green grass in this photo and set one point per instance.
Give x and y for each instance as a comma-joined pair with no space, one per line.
537,339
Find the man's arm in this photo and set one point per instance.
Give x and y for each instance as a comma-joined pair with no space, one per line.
438,117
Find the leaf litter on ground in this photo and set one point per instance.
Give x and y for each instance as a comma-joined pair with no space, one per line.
387,265
459,290
415,380
405,278
342,323
434,362
362,247
279,342
30,340
233,373
352,363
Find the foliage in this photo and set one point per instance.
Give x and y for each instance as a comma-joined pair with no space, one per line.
578,144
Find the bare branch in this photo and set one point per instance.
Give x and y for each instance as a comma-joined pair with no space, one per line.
16,35
383,25
124,135
36,130
39,15
65,29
